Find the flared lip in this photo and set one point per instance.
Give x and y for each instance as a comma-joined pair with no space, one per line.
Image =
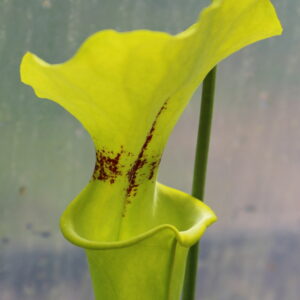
185,238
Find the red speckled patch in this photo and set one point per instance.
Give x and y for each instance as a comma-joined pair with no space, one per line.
108,166
142,159
153,166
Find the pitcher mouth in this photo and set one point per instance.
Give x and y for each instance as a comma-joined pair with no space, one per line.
203,218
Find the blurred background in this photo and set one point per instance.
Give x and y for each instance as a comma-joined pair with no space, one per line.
46,157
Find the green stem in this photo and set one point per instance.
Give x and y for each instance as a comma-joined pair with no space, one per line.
206,112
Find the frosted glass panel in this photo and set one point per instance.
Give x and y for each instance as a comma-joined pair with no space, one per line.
253,174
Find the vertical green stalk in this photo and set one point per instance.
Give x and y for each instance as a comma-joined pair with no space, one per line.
201,157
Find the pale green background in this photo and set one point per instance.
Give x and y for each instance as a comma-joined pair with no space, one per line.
46,158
